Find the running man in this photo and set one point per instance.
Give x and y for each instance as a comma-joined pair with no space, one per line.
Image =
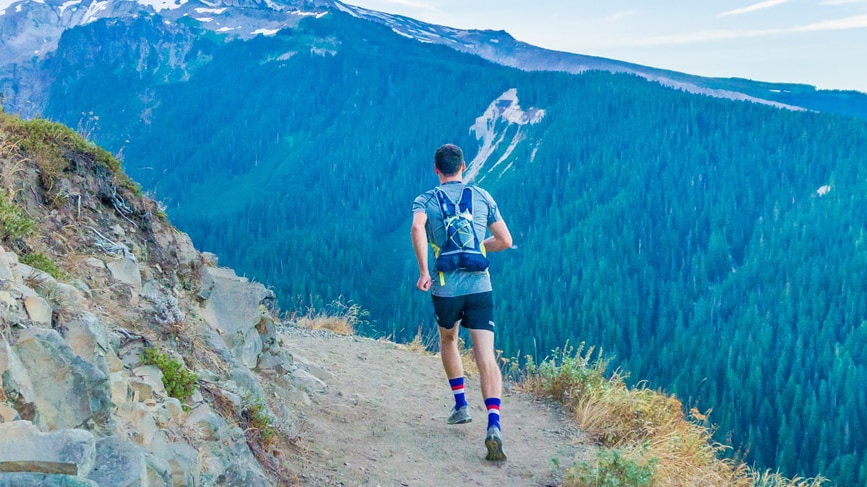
462,295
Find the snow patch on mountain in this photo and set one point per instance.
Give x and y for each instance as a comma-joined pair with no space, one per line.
68,4
265,32
215,11
93,11
160,5
500,126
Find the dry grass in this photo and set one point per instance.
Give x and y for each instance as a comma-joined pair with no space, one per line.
419,343
644,436
342,318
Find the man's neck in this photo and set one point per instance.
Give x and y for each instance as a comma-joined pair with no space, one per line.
457,178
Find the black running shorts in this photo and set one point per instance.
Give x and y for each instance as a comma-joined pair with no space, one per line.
475,311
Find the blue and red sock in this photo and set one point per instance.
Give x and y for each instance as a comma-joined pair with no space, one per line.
493,405
458,391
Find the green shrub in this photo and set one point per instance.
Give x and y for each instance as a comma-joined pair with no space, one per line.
177,379
40,261
14,223
611,468
259,422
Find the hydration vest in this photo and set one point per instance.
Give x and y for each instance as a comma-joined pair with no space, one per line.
462,249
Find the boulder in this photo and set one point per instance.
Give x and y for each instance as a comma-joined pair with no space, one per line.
67,390
151,376
119,463
38,310
15,381
23,448
68,296
208,425
5,268
126,271
184,464
159,472
233,309
87,339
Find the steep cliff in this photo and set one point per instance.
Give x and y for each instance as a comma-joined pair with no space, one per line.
127,357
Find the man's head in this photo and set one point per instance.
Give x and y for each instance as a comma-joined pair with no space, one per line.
449,160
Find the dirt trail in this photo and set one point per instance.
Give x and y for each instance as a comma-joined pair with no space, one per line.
381,422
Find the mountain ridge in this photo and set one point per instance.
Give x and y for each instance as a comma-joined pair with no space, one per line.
246,19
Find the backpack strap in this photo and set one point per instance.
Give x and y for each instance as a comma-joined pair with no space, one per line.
447,208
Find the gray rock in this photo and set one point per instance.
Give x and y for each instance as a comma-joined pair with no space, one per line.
43,480
127,272
209,425
152,376
121,393
246,384
38,310
5,269
86,338
233,309
119,463
131,353
24,448
68,296
159,471
16,382
184,464
67,391
307,382
25,272
271,362
247,346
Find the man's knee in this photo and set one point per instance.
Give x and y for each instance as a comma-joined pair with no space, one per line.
449,335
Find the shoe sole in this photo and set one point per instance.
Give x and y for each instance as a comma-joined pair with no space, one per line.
495,449
462,421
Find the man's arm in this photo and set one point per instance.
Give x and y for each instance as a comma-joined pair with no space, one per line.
419,246
500,238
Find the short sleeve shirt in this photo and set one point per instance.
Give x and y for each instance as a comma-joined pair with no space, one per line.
485,212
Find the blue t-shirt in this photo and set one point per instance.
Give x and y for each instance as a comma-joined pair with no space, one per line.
485,212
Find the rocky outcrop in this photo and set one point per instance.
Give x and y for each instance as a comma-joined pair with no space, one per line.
79,404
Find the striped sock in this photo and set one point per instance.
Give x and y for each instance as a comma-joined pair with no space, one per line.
493,405
458,391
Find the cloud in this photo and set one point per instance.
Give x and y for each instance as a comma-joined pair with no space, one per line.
622,15
846,23
841,2
754,7
856,22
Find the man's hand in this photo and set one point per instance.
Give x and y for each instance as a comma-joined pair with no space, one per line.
424,282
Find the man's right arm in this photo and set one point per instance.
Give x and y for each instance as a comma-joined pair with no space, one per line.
419,246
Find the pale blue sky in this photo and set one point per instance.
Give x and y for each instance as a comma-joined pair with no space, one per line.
817,42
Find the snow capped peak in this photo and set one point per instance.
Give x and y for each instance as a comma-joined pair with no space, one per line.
231,18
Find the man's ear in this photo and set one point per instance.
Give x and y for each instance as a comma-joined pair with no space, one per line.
436,170
463,166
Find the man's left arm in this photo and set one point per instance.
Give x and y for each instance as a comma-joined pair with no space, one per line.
419,246
500,239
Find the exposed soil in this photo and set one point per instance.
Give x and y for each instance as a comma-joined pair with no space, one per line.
381,422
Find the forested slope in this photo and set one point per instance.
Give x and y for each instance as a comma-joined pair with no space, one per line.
685,235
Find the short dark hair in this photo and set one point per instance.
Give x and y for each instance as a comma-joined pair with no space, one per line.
448,159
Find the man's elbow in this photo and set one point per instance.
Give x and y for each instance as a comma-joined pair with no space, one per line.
507,241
